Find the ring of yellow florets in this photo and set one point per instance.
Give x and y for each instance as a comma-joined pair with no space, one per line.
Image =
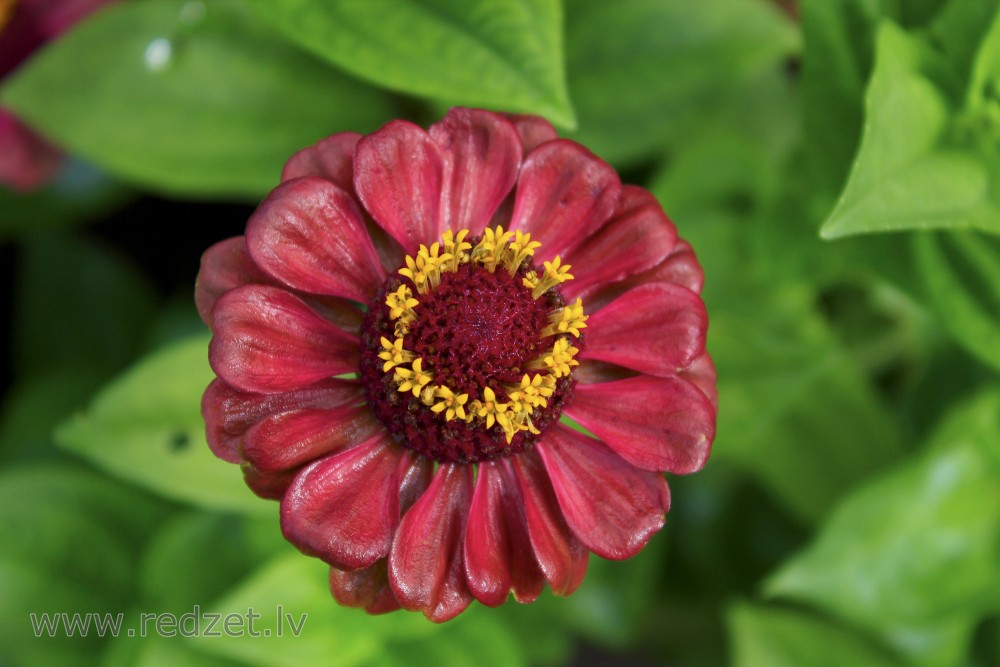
481,280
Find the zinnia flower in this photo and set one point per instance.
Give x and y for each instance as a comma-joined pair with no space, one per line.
399,332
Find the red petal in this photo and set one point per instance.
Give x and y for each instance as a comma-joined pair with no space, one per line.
560,555
310,235
497,547
367,588
681,267
533,130
225,266
267,340
638,237
291,439
657,329
398,177
482,153
564,194
344,508
701,373
426,568
663,424
27,161
331,158
269,485
612,507
590,371
228,412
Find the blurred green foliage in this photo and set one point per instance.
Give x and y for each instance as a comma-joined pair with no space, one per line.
850,513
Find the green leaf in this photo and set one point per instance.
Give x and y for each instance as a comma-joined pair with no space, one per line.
196,557
838,37
771,637
641,70
185,97
798,413
65,279
961,274
146,427
906,176
505,54
70,535
984,83
914,556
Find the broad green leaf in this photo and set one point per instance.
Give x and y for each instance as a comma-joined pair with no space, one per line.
798,414
641,70
196,557
961,274
34,404
146,427
838,37
906,176
503,54
292,591
772,637
914,556
194,98
79,304
70,538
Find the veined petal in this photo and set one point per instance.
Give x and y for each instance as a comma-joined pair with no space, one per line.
331,158
294,438
229,412
701,373
398,174
564,194
657,328
482,154
426,567
309,234
637,238
225,266
367,588
560,555
267,484
344,508
612,507
497,547
663,424
267,340
533,130
681,267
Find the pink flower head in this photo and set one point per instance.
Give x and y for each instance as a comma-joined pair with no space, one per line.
399,332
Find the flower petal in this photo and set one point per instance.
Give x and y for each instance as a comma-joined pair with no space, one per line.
344,508
291,439
612,507
229,412
27,161
267,340
225,266
497,547
331,158
310,235
398,174
680,267
701,373
564,194
657,329
663,424
367,588
560,555
637,238
533,130
270,485
482,153
425,567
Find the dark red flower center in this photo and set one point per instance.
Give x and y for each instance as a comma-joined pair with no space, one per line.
463,355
